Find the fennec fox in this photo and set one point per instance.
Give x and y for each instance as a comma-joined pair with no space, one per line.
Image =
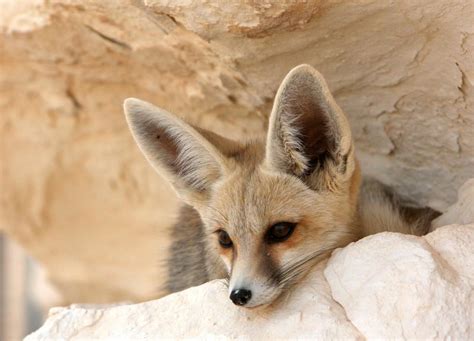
263,212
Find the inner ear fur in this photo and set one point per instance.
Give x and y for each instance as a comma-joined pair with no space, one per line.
308,132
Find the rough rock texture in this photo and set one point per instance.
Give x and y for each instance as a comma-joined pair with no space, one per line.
78,195
384,286
393,285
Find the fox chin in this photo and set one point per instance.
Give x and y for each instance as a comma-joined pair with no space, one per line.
263,212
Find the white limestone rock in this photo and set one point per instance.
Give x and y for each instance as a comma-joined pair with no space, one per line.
206,312
398,286
462,212
383,286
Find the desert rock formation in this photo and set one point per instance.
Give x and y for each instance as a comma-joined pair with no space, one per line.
77,193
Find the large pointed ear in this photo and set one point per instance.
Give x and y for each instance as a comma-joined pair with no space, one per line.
186,156
309,135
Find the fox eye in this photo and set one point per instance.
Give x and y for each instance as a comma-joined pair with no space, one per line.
280,232
224,239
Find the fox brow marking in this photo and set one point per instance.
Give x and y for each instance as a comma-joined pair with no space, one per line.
218,217
219,214
222,218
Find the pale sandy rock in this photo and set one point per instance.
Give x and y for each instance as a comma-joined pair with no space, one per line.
462,212
77,193
451,243
207,312
22,15
248,18
384,286
395,286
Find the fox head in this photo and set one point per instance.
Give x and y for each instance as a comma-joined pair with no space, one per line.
271,208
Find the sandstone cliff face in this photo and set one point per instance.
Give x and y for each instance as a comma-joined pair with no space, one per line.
79,196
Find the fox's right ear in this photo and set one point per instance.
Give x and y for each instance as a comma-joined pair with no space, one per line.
184,155
309,135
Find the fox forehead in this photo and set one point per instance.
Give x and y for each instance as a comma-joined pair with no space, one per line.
251,201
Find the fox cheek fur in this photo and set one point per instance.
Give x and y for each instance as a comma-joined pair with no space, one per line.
243,199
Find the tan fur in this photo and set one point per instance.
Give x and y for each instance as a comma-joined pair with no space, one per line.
304,172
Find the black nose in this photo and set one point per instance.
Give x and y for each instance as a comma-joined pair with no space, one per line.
240,296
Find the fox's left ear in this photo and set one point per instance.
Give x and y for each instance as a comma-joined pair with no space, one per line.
309,135
191,159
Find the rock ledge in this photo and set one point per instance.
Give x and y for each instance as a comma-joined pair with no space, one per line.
386,285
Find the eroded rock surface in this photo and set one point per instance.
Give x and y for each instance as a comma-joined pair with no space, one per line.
402,286
76,192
